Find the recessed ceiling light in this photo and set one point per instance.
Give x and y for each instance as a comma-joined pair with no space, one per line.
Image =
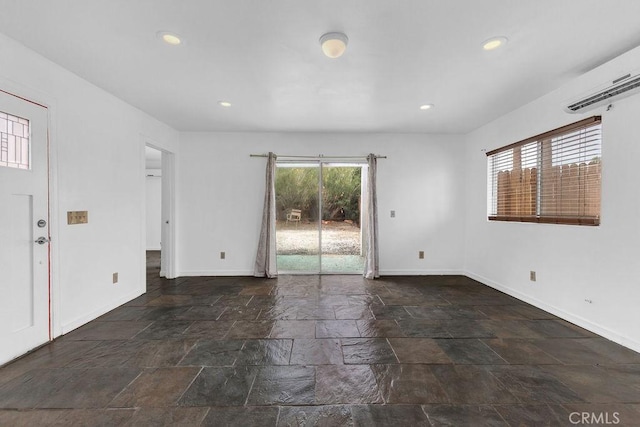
494,43
426,106
169,38
224,103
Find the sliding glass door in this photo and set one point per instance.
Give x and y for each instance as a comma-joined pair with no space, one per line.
319,217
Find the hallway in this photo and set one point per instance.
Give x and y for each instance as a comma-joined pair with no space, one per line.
338,350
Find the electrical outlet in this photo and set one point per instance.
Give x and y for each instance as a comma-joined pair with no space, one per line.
115,278
393,214
223,255
532,276
421,254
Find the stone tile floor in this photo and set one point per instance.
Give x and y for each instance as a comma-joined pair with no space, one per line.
323,350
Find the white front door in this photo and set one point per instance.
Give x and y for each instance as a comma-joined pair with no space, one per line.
24,227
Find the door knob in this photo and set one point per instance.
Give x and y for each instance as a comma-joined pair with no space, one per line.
42,240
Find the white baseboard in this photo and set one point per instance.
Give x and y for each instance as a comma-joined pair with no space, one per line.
421,272
382,273
215,273
82,320
570,317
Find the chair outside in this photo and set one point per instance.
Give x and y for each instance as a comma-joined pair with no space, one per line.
294,216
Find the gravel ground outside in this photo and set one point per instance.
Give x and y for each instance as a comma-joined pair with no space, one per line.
338,238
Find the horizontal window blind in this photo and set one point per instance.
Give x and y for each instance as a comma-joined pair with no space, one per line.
553,177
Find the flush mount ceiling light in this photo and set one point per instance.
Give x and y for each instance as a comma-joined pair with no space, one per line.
224,103
426,106
494,43
169,38
334,44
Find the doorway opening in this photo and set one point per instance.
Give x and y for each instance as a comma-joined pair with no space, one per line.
153,193
159,208
319,214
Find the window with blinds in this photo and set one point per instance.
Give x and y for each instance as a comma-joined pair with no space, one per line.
551,178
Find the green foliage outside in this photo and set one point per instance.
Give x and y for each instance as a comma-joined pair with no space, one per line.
341,190
297,188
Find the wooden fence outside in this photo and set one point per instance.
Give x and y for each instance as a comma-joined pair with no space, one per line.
571,190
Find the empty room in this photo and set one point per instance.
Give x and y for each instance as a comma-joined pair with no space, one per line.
295,213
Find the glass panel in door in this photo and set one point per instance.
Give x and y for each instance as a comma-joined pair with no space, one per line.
297,219
341,237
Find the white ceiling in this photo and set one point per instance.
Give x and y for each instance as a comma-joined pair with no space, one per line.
264,57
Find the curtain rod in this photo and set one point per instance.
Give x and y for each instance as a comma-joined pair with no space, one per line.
319,156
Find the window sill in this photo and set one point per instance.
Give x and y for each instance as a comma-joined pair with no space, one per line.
548,220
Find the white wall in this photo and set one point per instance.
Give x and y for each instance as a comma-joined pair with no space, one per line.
573,263
221,192
98,165
153,208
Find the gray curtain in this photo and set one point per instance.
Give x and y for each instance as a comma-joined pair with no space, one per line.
266,257
371,267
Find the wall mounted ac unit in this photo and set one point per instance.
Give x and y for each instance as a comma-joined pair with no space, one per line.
619,88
